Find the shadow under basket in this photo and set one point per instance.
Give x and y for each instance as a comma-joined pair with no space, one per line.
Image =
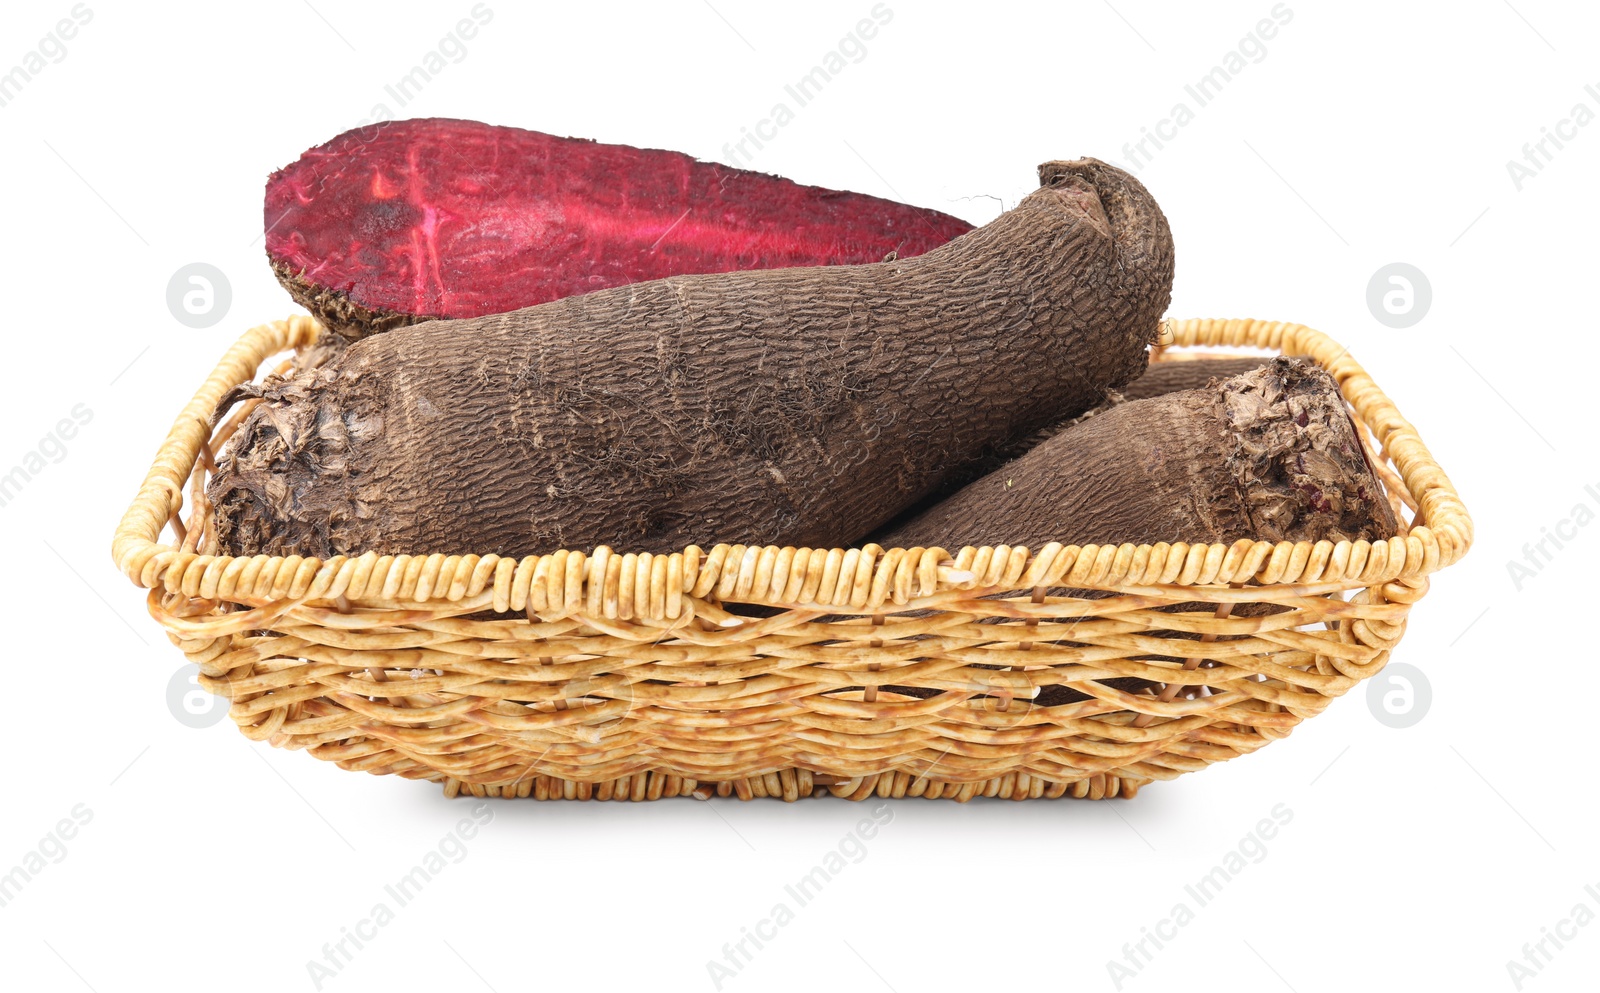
783,672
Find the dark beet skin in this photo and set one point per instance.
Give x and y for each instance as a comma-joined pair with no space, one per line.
1270,454
1167,376
1177,375
800,406
406,221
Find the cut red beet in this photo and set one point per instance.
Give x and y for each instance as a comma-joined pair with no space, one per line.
412,220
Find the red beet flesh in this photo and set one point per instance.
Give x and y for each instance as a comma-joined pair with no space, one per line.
444,218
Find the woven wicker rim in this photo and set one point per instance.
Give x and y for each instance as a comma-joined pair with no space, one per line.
604,583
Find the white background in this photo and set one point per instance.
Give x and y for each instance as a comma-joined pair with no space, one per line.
1370,133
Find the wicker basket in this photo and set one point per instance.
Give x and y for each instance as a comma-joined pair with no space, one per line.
885,672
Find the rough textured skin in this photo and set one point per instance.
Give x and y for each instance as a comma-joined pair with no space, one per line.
340,315
785,406
406,221
1270,455
1159,379
1177,375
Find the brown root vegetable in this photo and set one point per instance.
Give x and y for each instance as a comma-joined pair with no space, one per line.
1167,376
1271,454
785,406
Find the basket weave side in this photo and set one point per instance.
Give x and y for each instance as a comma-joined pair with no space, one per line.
884,672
